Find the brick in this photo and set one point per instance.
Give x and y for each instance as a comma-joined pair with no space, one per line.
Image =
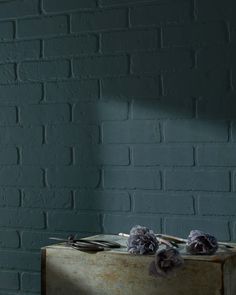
131,132
130,88
61,6
104,66
87,90
43,26
214,10
100,111
7,116
45,114
8,156
20,135
18,51
196,83
31,282
9,239
132,178
212,204
222,107
44,70
216,57
6,30
220,155
18,9
33,240
161,61
46,155
195,131
197,180
35,198
101,155
9,280
159,203
9,198
21,218
168,107
102,201
155,155
129,41
99,20
7,73
73,177
20,93
72,134
197,34
78,222
182,226
20,176
20,260
160,13
75,45
124,222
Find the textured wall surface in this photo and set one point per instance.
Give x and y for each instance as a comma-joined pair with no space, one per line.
112,113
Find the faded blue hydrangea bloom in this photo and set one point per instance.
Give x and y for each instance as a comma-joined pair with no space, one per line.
200,243
142,241
165,263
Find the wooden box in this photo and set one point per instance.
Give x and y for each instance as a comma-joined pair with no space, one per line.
66,271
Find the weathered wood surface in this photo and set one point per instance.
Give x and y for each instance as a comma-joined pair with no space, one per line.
67,271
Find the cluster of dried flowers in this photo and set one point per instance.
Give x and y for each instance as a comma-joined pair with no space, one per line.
200,243
143,241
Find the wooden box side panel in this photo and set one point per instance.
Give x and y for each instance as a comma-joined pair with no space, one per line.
74,272
43,271
229,270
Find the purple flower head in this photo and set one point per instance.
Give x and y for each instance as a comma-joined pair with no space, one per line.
142,241
166,262
200,243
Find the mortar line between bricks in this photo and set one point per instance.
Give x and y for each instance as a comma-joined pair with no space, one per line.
228,29
73,203
99,40
73,162
71,112
16,65
129,17
41,54
195,156
44,135
230,132
71,69
195,10
19,155
231,181
21,193
194,205
17,110
161,38
231,84
69,24
99,89
14,29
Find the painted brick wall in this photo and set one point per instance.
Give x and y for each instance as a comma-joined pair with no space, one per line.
113,113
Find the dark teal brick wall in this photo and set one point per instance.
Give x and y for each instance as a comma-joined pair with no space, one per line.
113,113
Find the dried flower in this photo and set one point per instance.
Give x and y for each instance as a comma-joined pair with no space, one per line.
200,243
166,262
142,241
